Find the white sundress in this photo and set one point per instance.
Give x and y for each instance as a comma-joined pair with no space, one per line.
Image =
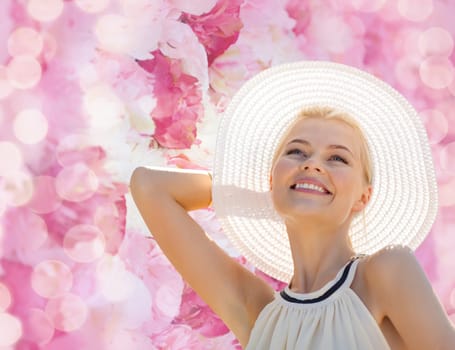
333,317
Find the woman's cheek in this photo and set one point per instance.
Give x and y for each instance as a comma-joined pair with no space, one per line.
278,198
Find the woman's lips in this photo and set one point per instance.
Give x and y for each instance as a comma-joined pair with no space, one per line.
310,191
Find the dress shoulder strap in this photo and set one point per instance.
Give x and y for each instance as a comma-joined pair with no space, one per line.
352,270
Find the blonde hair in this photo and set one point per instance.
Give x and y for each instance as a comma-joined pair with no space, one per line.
329,113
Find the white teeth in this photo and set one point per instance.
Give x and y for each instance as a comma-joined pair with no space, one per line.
310,186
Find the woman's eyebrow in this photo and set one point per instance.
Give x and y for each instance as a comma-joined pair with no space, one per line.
305,142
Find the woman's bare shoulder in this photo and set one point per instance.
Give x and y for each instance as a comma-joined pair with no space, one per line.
374,270
391,256
387,272
384,269
389,262
403,294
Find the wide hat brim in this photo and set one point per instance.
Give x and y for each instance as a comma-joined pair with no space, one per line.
403,205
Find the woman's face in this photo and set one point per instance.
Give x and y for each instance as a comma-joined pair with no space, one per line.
318,172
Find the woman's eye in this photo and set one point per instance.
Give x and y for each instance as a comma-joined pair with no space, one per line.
295,151
339,159
299,152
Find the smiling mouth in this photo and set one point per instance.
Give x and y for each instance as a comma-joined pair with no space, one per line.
310,188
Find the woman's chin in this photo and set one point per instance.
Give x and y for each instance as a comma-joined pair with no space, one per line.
307,213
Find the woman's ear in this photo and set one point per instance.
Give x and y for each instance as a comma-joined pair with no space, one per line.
362,202
270,182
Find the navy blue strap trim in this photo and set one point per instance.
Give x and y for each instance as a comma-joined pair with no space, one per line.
327,294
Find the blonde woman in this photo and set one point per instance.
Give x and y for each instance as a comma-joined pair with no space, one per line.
323,179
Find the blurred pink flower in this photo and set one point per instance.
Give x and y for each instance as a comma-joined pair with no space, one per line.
193,310
179,42
193,7
122,73
300,11
198,315
266,39
17,277
182,161
178,105
217,29
145,259
379,55
178,337
277,285
111,222
206,47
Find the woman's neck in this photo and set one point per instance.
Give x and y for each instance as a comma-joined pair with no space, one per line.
318,254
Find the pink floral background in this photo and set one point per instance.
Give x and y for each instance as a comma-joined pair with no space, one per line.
90,89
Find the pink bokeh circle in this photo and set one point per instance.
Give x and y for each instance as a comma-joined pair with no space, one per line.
84,243
24,72
12,160
415,10
11,329
45,198
45,10
25,41
51,279
405,43
5,297
34,232
436,125
436,72
436,41
68,312
19,188
38,327
76,182
92,6
30,126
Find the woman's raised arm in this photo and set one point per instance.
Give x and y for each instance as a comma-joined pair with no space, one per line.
163,198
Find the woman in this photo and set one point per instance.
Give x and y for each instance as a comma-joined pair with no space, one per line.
322,178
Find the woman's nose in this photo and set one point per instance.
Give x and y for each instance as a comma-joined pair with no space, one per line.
306,167
311,164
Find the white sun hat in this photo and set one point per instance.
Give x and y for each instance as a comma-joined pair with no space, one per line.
404,202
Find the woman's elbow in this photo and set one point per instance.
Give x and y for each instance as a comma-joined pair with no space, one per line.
139,180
